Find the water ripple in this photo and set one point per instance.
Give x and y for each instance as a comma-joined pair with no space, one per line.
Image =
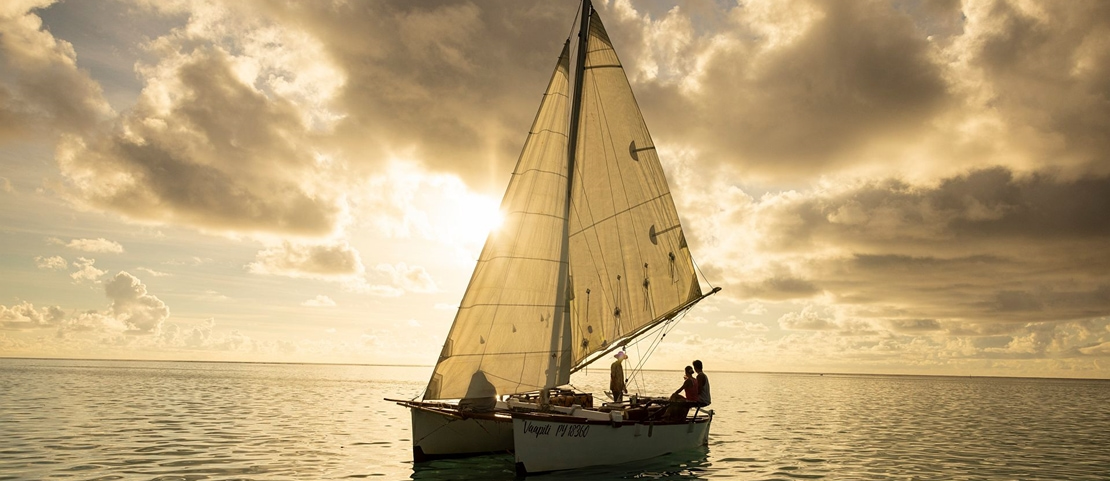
193,421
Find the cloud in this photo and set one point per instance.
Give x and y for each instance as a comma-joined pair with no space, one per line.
86,272
153,272
335,261
821,81
42,89
744,325
455,85
99,245
1101,349
141,312
986,246
755,308
25,316
319,301
914,325
412,279
806,320
199,336
224,136
54,263
132,311
89,322
1043,68
339,262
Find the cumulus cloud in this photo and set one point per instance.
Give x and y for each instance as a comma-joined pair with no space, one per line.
153,272
25,316
320,261
807,319
198,336
54,263
85,271
930,178
223,136
139,311
744,325
319,301
409,278
339,262
98,245
89,322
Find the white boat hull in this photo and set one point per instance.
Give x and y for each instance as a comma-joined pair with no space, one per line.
445,433
552,442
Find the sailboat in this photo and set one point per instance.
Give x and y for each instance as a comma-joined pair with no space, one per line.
589,257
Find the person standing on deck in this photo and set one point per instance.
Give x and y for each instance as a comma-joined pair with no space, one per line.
616,377
703,385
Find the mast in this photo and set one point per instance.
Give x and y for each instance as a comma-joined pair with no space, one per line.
576,100
560,334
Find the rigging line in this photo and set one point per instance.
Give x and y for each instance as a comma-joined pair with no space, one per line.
574,22
666,329
559,174
639,355
651,348
548,131
517,381
434,431
560,94
696,266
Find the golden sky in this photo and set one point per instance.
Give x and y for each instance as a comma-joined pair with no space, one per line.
881,187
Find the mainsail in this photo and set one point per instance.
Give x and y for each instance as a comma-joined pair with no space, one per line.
579,269
510,327
629,263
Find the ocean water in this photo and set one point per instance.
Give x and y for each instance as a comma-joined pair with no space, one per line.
191,421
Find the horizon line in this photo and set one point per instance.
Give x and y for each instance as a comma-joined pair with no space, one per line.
807,373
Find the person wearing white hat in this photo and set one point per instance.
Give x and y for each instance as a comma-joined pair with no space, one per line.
616,377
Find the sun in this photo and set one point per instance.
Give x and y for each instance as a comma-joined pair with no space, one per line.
467,218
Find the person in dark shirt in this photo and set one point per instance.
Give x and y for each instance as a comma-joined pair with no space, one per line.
703,385
616,377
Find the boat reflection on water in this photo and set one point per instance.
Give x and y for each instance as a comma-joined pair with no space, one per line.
689,464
